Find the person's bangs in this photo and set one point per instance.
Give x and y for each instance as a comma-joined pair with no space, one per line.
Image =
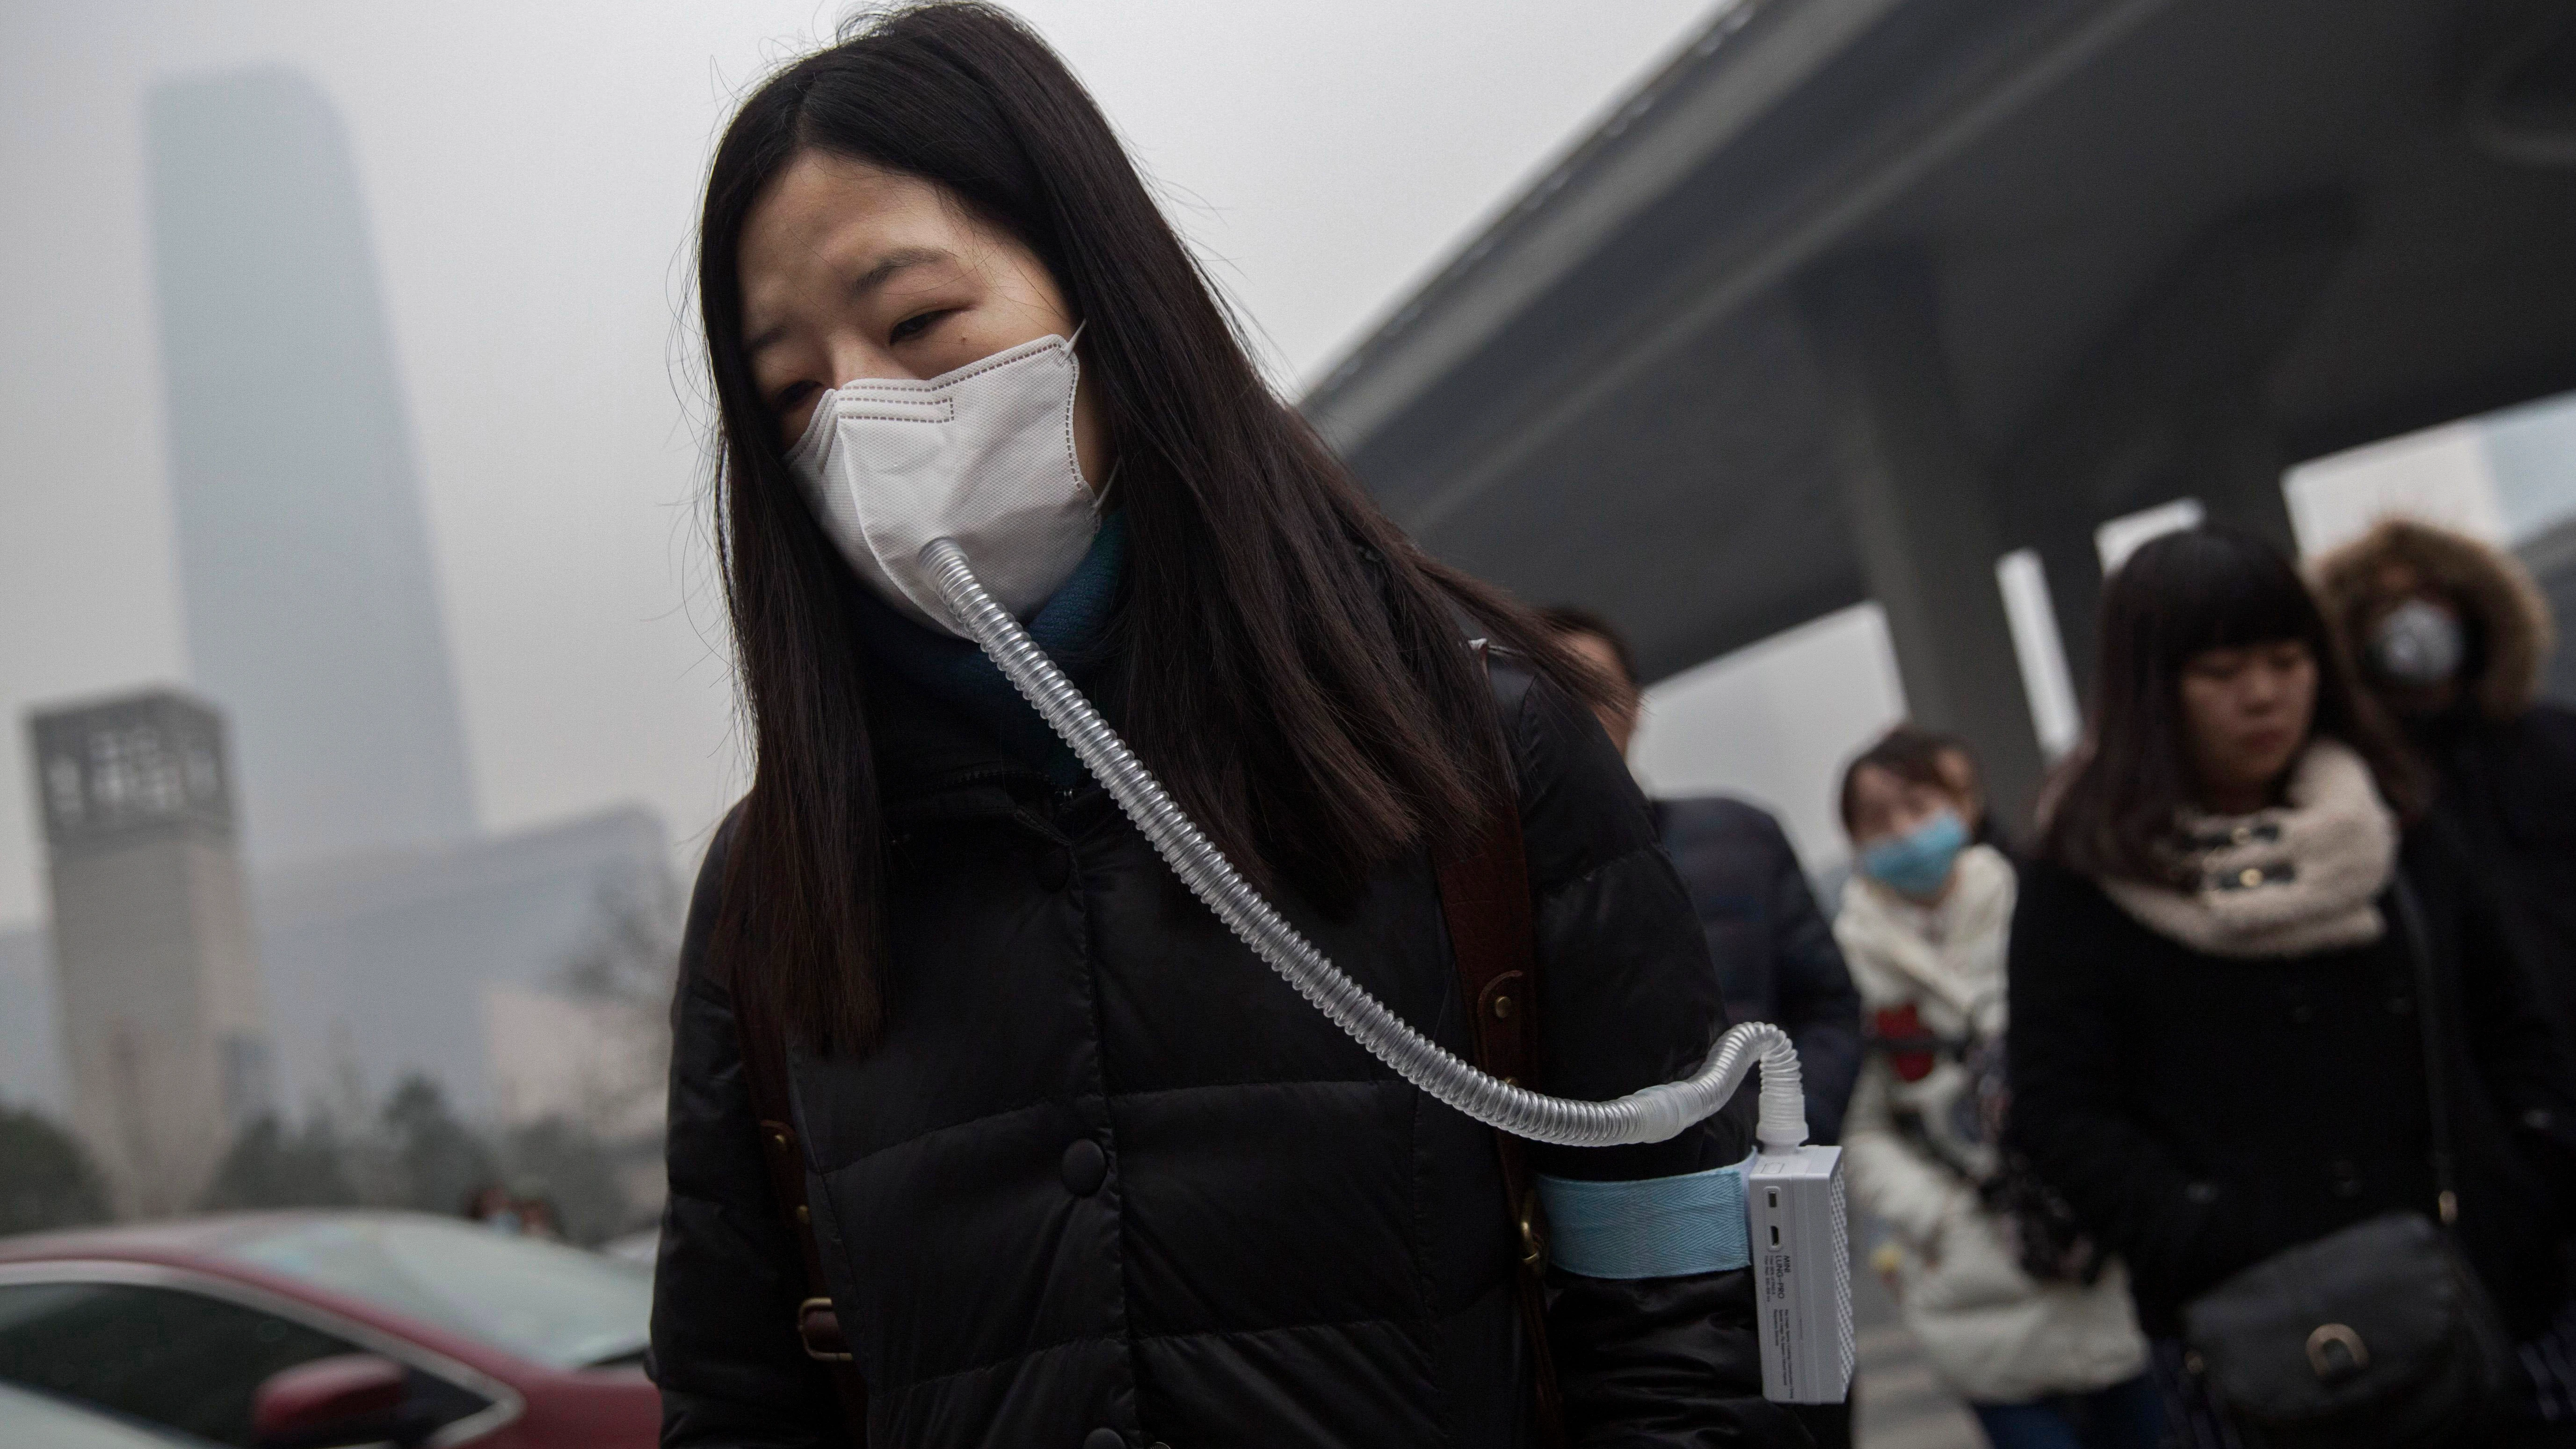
2216,592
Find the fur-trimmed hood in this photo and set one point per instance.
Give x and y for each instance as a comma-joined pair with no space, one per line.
2505,609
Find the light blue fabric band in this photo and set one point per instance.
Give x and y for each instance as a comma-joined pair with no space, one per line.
1661,1227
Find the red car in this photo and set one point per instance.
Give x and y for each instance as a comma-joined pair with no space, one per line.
300,1330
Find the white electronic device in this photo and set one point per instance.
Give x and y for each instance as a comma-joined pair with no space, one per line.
1801,1273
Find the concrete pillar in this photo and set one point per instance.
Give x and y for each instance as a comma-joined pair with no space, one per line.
2236,467
2072,563
2168,402
2232,465
1921,513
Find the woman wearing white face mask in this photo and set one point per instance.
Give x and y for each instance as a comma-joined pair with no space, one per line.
1060,1162
2052,1361
2453,638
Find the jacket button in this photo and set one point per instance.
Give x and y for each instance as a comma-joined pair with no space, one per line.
2302,1014
1054,870
1085,1168
1103,1439
2347,1178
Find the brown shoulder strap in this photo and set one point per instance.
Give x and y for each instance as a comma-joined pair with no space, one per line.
818,1327
1485,898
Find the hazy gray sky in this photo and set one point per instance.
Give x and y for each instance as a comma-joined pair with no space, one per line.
530,172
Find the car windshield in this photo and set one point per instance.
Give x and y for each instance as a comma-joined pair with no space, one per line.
559,1306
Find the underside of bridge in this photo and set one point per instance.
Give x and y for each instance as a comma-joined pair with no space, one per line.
1858,295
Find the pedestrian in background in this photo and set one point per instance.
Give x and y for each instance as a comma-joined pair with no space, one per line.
1775,956
2227,965
2452,637
2045,1363
1773,953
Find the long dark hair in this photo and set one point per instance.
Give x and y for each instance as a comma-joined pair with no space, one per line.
1293,668
2205,588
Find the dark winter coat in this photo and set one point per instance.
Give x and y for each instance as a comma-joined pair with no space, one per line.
2508,787
1775,954
1107,1180
2202,1113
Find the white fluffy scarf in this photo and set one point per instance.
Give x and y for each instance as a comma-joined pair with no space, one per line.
2289,881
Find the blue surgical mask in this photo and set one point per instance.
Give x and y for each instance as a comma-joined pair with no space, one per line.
1917,862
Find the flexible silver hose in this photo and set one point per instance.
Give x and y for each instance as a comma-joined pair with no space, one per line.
1651,1115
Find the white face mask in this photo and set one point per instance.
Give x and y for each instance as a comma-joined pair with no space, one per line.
983,455
2419,644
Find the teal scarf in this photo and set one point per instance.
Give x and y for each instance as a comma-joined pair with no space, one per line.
1072,626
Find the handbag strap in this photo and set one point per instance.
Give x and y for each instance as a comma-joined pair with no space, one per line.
2429,1006
1485,899
818,1325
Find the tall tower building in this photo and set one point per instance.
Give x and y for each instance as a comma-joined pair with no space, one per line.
303,555
164,1029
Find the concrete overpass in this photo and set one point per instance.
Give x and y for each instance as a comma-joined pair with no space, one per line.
1858,295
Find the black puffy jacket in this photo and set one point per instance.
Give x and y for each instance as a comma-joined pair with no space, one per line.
1107,1180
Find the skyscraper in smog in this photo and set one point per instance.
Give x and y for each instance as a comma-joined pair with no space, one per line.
164,1031
312,615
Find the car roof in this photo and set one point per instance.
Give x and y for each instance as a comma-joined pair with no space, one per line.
225,1246
200,1245
184,1238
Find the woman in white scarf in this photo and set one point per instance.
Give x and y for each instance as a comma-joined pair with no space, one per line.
2261,1004
1924,925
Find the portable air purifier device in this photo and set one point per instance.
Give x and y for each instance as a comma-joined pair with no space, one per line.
1802,1274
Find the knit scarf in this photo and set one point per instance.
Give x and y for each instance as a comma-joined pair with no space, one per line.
1072,626
2293,880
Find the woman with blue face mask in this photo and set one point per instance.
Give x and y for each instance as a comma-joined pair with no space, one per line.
970,1099
2037,1335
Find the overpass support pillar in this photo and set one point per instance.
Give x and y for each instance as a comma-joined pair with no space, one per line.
2241,480
1921,512
2170,401
2072,563
2232,465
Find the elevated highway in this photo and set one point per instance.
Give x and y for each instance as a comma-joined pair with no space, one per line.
1856,296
